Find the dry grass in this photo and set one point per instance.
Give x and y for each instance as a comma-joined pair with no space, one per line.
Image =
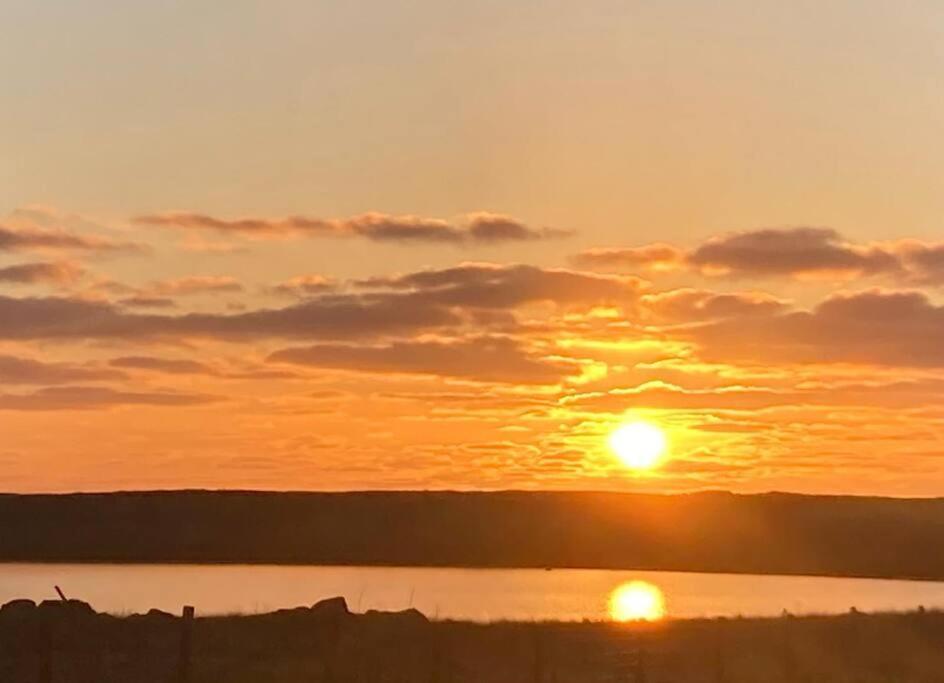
322,645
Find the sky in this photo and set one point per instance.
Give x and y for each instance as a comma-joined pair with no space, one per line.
418,244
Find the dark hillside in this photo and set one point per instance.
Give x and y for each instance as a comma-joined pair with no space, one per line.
720,532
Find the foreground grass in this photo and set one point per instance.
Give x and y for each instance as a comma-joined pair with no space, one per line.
65,642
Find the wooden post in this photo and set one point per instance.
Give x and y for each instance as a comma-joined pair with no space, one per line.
44,647
329,663
720,664
788,652
436,674
538,670
639,667
186,646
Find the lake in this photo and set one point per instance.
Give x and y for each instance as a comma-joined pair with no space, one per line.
473,594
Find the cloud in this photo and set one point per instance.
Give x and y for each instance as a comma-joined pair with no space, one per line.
924,262
482,358
88,398
657,256
690,305
790,251
896,328
164,365
185,366
33,238
490,227
660,395
329,317
485,285
159,294
475,228
148,302
799,252
195,284
58,273
18,370
664,396
304,286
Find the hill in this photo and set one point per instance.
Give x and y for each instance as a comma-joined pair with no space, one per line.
712,532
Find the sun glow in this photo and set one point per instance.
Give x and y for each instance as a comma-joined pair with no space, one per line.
637,601
639,445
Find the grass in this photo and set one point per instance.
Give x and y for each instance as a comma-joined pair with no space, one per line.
332,646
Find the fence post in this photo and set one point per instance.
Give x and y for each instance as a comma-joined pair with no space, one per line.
44,647
439,662
331,643
639,666
788,651
186,646
538,670
720,663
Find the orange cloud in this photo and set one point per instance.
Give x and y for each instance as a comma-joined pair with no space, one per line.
800,252
328,317
19,370
195,284
898,328
90,398
475,228
657,256
790,251
31,238
485,359
57,273
485,285
690,305
304,285
179,366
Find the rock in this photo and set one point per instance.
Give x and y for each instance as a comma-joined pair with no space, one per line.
19,604
332,607
18,609
292,613
407,617
67,608
159,614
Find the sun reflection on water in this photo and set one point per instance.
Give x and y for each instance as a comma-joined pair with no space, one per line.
637,601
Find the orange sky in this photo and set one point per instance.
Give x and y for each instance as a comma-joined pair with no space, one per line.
455,245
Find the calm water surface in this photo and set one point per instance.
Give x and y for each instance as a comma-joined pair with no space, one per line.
476,594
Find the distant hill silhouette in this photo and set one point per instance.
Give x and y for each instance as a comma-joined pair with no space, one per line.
714,532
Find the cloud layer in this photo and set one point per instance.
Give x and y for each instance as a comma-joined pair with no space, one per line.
332,373
488,359
56,273
475,228
789,252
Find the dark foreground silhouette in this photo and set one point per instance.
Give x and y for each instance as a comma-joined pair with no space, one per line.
711,532
66,642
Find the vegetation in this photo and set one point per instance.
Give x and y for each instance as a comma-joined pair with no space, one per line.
720,532
69,642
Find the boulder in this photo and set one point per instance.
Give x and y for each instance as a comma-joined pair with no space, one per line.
407,617
67,608
18,609
332,607
159,614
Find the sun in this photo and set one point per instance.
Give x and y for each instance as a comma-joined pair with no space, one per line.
640,445
637,601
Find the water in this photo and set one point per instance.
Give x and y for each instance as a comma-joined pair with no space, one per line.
475,594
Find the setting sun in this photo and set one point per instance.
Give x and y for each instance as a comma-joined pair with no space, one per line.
637,601
639,445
